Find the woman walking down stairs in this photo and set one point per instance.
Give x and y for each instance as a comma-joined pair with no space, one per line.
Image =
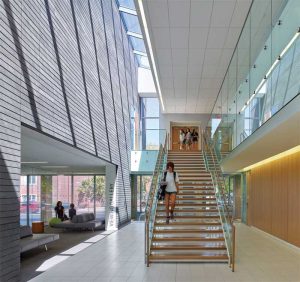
196,232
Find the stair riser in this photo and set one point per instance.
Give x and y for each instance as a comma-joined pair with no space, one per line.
216,244
186,233
189,235
194,227
189,252
184,221
190,210
189,215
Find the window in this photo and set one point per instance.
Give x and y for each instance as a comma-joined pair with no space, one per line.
32,180
30,201
38,200
152,137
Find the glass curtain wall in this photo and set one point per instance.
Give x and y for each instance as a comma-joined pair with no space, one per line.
263,74
40,194
30,199
151,135
140,188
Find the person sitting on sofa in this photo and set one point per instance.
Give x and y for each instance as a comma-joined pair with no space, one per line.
72,211
60,211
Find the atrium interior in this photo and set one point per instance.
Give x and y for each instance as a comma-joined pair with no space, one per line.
150,140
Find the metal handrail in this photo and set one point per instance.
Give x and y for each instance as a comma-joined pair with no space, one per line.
219,184
152,199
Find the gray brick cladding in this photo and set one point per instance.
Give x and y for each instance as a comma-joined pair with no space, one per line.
66,70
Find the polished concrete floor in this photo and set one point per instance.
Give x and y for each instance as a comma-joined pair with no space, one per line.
119,257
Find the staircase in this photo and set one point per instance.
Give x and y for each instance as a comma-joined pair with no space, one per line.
195,235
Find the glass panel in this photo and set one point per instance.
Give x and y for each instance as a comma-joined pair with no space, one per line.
152,123
61,191
152,139
34,199
138,44
23,200
84,194
280,87
293,85
132,23
139,195
145,188
100,197
143,61
127,4
150,107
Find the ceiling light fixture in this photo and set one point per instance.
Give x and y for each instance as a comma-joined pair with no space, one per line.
286,48
141,7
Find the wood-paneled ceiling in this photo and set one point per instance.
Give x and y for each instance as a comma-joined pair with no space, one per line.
193,41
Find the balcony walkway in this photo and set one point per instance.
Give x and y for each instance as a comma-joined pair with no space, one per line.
120,257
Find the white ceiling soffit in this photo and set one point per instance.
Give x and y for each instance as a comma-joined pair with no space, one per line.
193,42
41,154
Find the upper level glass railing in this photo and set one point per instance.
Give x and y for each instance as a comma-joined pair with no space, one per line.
263,74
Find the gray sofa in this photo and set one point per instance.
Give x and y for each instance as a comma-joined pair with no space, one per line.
30,241
82,221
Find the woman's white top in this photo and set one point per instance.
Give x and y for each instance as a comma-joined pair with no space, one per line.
171,187
189,136
181,137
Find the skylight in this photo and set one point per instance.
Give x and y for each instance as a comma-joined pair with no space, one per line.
131,22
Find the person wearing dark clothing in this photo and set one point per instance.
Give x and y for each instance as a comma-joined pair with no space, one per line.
72,211
60,211
195,138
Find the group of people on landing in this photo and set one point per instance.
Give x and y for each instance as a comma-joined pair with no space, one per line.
188,139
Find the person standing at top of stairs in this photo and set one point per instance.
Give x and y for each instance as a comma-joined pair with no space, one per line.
172,180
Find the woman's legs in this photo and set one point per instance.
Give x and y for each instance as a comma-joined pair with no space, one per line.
172,201
167,200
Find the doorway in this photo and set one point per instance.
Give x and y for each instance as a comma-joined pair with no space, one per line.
195,146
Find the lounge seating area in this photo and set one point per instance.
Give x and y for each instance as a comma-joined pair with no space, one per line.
31,241
82,221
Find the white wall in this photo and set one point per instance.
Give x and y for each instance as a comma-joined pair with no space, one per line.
168,120
184,119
